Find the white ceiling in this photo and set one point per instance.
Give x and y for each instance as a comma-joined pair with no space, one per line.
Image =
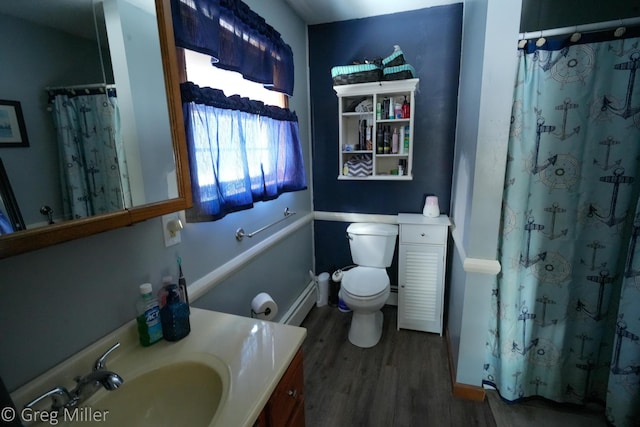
65,14
323,11
72,16
59,14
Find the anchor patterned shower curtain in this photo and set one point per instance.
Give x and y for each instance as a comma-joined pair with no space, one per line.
566,306
93,169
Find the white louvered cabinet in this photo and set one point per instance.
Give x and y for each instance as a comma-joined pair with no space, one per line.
421,272
384,160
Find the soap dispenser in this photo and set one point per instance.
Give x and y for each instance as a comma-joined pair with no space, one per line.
174,316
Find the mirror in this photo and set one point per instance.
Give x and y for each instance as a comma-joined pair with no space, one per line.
10,216
92,47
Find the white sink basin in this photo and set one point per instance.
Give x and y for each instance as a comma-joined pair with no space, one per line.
181,393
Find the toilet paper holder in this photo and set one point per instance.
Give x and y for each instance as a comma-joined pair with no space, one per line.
266,312
263,307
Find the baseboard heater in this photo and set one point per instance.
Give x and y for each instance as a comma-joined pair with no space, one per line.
301,306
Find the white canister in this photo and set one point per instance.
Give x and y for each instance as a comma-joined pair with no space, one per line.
431,208
323,289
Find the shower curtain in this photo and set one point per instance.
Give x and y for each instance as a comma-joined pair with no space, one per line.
91,153
565,316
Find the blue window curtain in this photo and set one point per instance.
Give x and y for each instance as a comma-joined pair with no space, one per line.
240,151
237,38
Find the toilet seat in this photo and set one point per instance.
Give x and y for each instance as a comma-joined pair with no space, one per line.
365,282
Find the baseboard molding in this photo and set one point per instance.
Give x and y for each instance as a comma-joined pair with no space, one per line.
462,391
468,392
301,306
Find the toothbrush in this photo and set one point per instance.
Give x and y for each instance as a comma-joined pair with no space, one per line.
182,283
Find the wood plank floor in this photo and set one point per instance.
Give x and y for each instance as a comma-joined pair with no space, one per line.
403,381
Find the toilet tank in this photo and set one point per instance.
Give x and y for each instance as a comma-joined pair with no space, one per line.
372,244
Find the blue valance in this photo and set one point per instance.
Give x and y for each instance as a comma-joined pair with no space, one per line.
191,92
237,38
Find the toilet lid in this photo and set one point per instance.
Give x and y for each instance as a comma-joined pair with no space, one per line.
365,281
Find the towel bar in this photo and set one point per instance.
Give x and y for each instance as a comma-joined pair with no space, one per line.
240,234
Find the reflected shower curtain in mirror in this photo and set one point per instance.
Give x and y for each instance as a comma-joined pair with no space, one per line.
566,305
93,168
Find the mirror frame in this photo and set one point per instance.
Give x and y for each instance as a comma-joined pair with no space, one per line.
29,240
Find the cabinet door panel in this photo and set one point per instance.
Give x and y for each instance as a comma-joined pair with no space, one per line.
288,396
421,269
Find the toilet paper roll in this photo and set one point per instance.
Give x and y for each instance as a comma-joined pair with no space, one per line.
264,307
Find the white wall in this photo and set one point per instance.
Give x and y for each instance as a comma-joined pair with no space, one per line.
484,112
39,184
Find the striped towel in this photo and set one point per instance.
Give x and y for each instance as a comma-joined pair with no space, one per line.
360,165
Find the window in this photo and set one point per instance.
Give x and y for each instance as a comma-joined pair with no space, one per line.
200,71
243,142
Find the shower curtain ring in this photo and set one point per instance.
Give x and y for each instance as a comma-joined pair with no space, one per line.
576,35
619,32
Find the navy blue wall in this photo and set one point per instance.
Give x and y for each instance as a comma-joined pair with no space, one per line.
430,39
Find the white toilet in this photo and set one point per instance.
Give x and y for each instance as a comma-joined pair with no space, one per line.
365,288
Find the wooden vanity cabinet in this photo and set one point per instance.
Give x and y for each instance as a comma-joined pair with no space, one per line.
285,407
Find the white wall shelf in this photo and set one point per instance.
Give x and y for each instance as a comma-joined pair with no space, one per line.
384,160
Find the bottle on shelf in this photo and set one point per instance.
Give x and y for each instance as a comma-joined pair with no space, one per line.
406,139
379,140
406,108
391,112
394,141
387,140
368,141
398,110
378,111
402,167
362,137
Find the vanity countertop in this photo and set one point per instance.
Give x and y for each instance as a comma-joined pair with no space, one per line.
256,352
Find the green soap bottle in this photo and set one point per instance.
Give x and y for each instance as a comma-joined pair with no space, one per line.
149,326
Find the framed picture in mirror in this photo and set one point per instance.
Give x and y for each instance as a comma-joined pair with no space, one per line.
10,216
13,132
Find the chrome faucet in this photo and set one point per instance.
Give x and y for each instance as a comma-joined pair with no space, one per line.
85,387
90,383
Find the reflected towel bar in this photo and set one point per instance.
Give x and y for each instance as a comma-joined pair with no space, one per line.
240,232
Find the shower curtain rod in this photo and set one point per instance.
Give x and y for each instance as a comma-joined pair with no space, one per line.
80,87
580,28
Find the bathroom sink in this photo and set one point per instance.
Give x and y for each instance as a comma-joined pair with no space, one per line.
186,392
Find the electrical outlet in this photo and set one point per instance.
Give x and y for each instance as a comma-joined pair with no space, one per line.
170,238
